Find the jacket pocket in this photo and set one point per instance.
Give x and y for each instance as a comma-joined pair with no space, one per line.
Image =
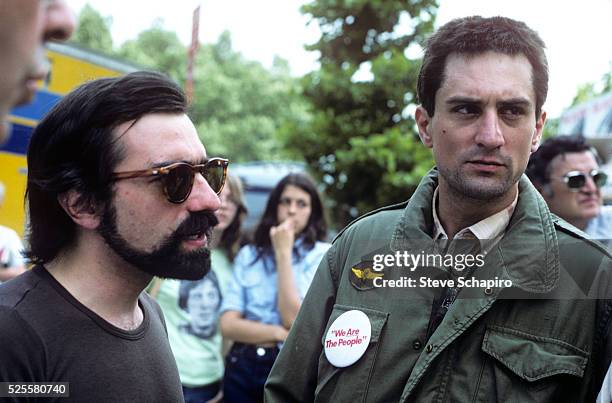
349,383
525,367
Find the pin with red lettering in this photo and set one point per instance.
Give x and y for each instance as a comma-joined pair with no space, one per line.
347,338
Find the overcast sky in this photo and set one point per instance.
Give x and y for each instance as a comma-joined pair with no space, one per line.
577,34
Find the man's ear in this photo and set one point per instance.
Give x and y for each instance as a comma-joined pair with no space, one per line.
84,213
537,134
422,120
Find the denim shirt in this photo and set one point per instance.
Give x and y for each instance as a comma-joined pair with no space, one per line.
253,289
600,226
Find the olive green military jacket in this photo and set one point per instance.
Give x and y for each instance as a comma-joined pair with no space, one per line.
545,339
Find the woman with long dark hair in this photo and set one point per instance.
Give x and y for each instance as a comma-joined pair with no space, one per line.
191,308
271,277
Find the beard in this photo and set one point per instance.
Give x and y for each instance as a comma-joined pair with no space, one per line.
483,188
167,260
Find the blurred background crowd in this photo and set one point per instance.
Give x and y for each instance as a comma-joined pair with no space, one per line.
314,151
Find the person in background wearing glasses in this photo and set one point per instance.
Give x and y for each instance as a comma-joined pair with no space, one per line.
533,323
25,26
565,170
191,308
271,277
119,190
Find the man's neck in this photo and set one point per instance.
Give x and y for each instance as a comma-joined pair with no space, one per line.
456,211
102,281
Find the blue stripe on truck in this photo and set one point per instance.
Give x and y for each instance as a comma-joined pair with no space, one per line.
18,142
43,101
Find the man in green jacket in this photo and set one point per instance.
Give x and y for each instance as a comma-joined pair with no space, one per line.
472,291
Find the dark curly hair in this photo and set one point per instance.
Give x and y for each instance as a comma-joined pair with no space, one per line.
476,35
75,148
539,162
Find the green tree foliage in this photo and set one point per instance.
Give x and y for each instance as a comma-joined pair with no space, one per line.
240,108
158,49
551,128
361,140
93,30
589,91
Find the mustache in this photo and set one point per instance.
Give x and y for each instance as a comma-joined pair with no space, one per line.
201,222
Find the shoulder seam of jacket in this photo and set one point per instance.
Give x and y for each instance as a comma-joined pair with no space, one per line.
578,234
397,206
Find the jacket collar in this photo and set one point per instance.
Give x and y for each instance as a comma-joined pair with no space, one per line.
528,254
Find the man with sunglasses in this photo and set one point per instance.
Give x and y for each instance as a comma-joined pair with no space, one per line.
471,291
565,169
119,190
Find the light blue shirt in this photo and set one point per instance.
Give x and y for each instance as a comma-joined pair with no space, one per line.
253,289
600,227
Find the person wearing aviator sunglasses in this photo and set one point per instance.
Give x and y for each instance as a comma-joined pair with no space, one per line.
119,190
545,337
565,169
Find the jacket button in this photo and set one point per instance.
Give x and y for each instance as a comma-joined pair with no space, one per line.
488,291
429,348
417,345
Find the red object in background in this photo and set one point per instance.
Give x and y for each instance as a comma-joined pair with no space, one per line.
191,54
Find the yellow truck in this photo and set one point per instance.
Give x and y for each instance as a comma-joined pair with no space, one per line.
70,66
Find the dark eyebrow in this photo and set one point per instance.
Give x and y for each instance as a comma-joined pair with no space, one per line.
522,102
463,100
515,102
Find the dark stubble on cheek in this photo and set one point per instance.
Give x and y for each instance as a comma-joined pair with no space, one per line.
167,260
473,188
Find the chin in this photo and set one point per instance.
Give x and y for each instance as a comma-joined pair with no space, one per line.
484,191
26,96
592,214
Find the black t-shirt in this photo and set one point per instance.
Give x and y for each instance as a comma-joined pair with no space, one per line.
46,335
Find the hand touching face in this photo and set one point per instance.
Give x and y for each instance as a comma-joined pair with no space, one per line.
293,213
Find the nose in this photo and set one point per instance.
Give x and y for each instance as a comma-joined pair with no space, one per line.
589,185
292,208
202,196
489,134
60,21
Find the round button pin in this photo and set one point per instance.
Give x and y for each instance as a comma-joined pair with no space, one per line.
348,338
